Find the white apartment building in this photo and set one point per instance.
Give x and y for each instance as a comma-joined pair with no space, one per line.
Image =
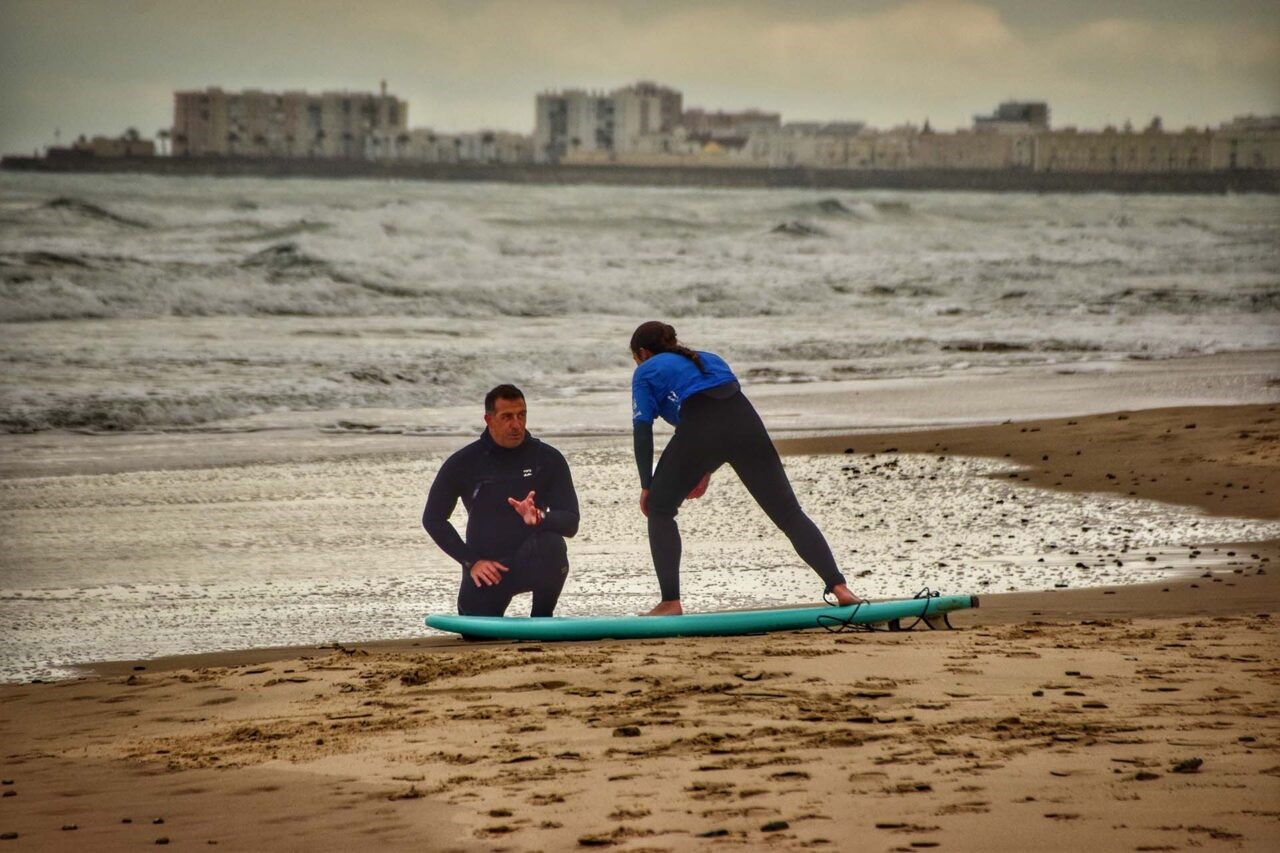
642,110
580,125
254,123
571,121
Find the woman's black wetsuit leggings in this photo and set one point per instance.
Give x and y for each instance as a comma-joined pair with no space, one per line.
719,426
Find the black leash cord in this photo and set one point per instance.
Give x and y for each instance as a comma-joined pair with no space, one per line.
837,625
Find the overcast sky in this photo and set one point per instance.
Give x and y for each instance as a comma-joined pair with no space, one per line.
99,66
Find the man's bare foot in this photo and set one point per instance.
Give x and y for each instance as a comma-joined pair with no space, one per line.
844,597
667,608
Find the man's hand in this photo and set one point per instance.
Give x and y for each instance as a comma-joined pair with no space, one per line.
531,514
700,489
644,502
487,572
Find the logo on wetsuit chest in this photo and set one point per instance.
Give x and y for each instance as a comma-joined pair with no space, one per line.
528,472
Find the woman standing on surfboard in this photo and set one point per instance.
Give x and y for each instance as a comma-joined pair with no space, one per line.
715,423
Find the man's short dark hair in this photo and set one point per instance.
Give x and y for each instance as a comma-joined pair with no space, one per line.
502,392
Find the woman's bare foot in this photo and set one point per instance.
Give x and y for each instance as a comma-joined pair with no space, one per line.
667,608
844,597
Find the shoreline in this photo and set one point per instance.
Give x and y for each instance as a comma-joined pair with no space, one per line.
1142,717
1266,181
1106,442
1110,439
1172,598
1224,460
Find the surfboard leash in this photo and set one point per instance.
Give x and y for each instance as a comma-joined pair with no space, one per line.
837,625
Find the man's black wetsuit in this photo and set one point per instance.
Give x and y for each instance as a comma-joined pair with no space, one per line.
484,474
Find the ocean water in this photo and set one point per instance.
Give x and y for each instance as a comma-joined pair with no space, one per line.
277,309
134,302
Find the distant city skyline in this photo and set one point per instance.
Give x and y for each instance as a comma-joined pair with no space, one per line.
97,68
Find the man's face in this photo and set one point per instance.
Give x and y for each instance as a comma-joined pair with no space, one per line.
506,422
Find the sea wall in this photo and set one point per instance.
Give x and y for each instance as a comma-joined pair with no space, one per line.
983,180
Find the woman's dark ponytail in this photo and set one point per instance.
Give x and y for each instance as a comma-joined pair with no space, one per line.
656,337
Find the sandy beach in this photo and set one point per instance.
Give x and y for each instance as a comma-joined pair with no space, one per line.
1128,718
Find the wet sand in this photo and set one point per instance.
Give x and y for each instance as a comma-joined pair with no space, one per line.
1133,718
1222,459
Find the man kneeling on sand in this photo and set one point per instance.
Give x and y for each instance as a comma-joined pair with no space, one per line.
520,504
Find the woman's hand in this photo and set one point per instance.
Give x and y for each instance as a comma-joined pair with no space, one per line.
700,489
644,502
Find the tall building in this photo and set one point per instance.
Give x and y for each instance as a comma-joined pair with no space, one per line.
254,123
571,121
576,123
641,110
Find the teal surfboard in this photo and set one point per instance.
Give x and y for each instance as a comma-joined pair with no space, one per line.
721,624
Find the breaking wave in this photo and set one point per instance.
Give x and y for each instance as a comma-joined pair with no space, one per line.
130,410
796,228
74,208
855,210
258,233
